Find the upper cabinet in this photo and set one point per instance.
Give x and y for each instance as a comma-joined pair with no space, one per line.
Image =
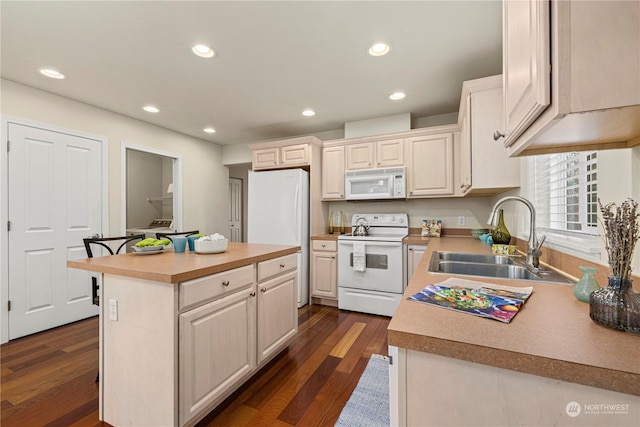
485,167
281,157
431,165
570,75
378,154
333,172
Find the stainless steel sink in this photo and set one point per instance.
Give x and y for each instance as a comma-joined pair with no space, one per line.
489,265
488,270
467,257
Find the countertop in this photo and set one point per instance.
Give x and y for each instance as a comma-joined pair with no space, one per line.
170,267
552,336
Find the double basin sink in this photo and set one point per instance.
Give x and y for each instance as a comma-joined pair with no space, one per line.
489,265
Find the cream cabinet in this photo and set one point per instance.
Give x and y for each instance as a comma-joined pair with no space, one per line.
375,154
277,305
324,269
333,172
413,256
527,89
360,156
280,157
431,165
570,76
485,167
217,349
390,153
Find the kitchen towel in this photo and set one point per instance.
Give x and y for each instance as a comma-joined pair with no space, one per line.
359,257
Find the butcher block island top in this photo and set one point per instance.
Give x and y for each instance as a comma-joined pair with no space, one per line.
552,336
170,267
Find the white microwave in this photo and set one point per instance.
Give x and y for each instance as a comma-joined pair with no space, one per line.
375,184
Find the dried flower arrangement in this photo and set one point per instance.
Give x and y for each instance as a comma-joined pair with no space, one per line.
621,235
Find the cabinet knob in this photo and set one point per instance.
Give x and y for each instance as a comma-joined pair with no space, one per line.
281,265
333,257
253,294
497,135
225,283
410,249
263,290
324,245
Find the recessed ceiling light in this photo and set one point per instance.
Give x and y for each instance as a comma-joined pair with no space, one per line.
51,73
203,51
379,49
151,109
308,112
209,130
396,96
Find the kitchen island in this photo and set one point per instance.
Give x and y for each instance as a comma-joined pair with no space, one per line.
552,365
179,332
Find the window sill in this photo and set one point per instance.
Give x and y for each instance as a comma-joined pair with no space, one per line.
582,246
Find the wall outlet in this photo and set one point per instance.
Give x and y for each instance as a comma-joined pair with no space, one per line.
113,309
461,220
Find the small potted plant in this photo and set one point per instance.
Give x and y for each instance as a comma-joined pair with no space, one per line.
617,305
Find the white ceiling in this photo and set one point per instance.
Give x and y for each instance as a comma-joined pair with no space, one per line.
274,59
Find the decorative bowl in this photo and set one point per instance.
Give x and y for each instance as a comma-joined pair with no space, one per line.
210,246
147,248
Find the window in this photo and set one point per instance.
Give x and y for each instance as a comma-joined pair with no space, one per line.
566,188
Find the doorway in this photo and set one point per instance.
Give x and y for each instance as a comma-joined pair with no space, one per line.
55,180
235,209
151,188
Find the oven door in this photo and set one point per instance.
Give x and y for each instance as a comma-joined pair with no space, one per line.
383,268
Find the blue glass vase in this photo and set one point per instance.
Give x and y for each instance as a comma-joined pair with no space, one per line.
587,284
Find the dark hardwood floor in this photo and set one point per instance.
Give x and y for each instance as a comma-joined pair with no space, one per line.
47,379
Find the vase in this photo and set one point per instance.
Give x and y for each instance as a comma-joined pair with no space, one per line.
501,235
586,284
616,306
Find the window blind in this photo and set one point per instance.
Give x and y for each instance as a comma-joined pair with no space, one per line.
566,188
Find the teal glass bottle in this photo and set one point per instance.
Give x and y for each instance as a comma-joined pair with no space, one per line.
587,284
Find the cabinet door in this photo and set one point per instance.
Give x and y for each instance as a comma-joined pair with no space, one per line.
360,156
526,64
465,150
324,275
414,255
265,158
390,153
277,314
431,165
333,173
217,349
294,155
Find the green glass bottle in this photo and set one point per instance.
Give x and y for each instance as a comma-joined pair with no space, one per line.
501,235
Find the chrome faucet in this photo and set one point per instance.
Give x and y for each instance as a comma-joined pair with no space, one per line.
533,246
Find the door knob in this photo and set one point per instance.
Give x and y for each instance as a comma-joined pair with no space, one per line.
497,135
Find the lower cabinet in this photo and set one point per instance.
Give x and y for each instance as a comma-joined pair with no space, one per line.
324,269
217,349
277,314
414,255
225,338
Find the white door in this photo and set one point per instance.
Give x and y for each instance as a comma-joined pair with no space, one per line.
235,209
54,202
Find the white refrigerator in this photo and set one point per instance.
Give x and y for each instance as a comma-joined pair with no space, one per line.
278,213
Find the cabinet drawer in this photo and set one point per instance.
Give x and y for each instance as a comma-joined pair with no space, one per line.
324,245
273,267
205,288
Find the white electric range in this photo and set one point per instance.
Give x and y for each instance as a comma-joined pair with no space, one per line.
370,268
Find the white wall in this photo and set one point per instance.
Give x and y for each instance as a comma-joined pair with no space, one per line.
204,181
475,210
